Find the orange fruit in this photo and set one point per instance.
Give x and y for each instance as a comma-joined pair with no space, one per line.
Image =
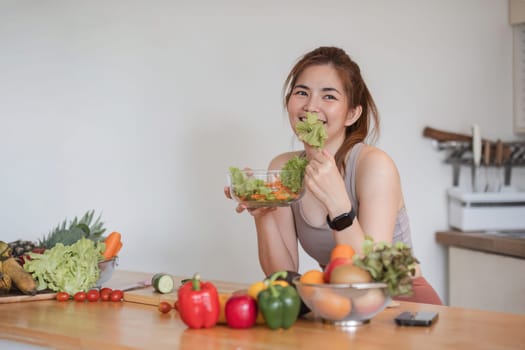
342,251
331,306
312,276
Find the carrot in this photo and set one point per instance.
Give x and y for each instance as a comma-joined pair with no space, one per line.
118,248
257,196
281,195
113,245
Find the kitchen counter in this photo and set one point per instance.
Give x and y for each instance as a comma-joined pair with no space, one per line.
130,325
485,270
508,244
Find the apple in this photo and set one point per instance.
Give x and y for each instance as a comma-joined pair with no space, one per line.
241,311
332,265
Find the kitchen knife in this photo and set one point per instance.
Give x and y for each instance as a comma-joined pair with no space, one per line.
476,156
486,165
499,163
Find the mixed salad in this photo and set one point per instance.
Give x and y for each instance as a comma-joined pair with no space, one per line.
281,187
284,186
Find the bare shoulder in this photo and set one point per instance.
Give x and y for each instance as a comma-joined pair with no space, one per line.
375,160
279,161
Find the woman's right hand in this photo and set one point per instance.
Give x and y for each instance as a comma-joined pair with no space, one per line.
256,213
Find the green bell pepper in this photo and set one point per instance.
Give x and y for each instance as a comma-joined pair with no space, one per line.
279,305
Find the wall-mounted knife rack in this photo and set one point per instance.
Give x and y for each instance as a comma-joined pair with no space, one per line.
499,154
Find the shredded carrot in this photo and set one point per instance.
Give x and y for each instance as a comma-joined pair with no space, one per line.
258,196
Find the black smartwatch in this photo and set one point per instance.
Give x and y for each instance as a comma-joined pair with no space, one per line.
342,221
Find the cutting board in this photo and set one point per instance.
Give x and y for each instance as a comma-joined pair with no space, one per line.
150,297
16,298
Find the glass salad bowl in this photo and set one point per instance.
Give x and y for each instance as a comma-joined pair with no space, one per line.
265,188
344,304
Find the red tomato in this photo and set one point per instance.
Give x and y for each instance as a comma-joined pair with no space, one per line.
62,296
164,307
105,290
93,295
105,293
116,295
80,296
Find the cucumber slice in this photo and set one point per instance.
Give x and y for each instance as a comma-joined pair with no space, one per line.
162,283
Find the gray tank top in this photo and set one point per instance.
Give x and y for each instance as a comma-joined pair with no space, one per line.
318,242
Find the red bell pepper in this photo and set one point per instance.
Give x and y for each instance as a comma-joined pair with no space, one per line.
198,303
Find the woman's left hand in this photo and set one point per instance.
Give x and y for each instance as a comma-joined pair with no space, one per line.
324,181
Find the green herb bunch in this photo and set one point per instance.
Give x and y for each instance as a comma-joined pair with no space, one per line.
390,264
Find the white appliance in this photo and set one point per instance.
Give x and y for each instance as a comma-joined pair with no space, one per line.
485,211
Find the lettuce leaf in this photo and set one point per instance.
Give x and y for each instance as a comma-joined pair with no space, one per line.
311,131
69,269
293,173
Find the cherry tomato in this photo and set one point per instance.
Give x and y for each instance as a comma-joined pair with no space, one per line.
106,289
80,296
105,293
63,296
164,307
93,295
116,295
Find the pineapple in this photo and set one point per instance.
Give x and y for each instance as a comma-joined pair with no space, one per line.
69,234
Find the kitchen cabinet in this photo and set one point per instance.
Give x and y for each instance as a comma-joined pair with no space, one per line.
517,11
485,271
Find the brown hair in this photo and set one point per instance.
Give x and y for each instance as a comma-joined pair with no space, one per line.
355,89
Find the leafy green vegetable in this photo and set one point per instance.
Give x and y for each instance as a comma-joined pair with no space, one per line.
70,269
268,190
390,264
311,131
293,173
245,186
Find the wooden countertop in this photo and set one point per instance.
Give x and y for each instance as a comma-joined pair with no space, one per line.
485,242
129,325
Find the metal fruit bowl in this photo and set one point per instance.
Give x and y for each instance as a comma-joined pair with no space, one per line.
264,188
107,267
344,304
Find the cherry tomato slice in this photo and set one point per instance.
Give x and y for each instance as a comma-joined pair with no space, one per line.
93,295
80,296
62,296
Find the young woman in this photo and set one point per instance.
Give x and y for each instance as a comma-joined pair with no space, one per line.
352,188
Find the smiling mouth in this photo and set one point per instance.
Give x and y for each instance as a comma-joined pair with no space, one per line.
303,118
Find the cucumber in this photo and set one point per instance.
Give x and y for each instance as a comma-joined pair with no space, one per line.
162,283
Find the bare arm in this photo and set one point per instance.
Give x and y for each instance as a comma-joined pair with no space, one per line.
276,241
276,236
378,191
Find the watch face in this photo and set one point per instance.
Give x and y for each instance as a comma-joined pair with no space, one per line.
342,221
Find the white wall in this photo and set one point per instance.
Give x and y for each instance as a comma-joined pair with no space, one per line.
137,109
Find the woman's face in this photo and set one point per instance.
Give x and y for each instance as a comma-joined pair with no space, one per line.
319,89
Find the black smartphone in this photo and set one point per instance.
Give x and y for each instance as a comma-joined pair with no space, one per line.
416,319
